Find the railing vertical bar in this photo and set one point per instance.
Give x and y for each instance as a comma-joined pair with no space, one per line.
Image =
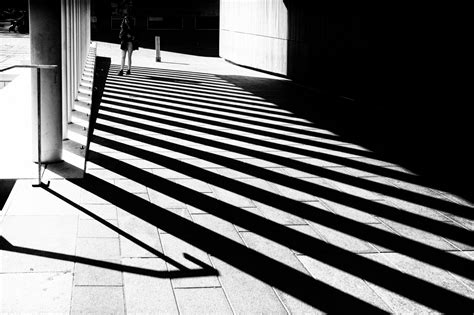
39,124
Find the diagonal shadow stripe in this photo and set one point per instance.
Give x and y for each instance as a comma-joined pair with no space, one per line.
7,246
359,230
373,186
264,268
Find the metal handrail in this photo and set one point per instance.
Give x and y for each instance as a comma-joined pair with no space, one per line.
38,84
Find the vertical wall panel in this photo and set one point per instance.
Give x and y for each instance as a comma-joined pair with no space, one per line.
255,33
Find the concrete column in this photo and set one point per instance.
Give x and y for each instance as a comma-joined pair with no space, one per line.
45,39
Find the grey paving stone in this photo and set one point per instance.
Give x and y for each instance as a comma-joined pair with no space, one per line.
130,186
295,306
90,300
415,234
350,212
247,294
23,293
194,210
259,162
318,162
98,248
232,198
278,216
175,248
18,262
93,228
168,174
202,301
357,191
48,233
305,229
105,174
429,273
273,250
194,184
88,197
343,240
294,194
106,212
260,183
385,228
230,173
141,230
147,294
415,209
343,281
298,173
218,225
27,200
97,276
252,210
164,201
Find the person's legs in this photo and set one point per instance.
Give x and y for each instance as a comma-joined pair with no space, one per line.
123,62
130,51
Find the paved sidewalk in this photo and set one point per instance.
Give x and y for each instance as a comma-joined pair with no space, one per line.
206,193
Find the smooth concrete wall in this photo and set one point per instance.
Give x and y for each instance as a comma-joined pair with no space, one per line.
254,33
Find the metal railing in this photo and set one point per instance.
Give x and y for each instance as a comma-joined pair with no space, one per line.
38,85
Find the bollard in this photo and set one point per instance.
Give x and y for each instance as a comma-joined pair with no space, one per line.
157,47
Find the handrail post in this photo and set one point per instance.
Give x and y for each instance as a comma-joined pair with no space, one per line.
38,85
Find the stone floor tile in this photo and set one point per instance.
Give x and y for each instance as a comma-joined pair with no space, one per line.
412,233
30,200
230,173
94,228
98,248
358,192
232,198
88,198
30,293
247,294
429,273
218,225
164,201
295,306
294,193
175,248
253,210
273,250
90,275
19,262
145,293
194,210
130,186
279,216
202,301
194,184
343,240
141,230
168,174
90,300
259,183
106,212
49,233
351,213
343,281
305,229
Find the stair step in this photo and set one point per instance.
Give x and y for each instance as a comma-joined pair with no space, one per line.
77,133
80,119
82,107
84,97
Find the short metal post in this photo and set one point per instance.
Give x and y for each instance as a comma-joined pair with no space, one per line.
38,85
157,47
